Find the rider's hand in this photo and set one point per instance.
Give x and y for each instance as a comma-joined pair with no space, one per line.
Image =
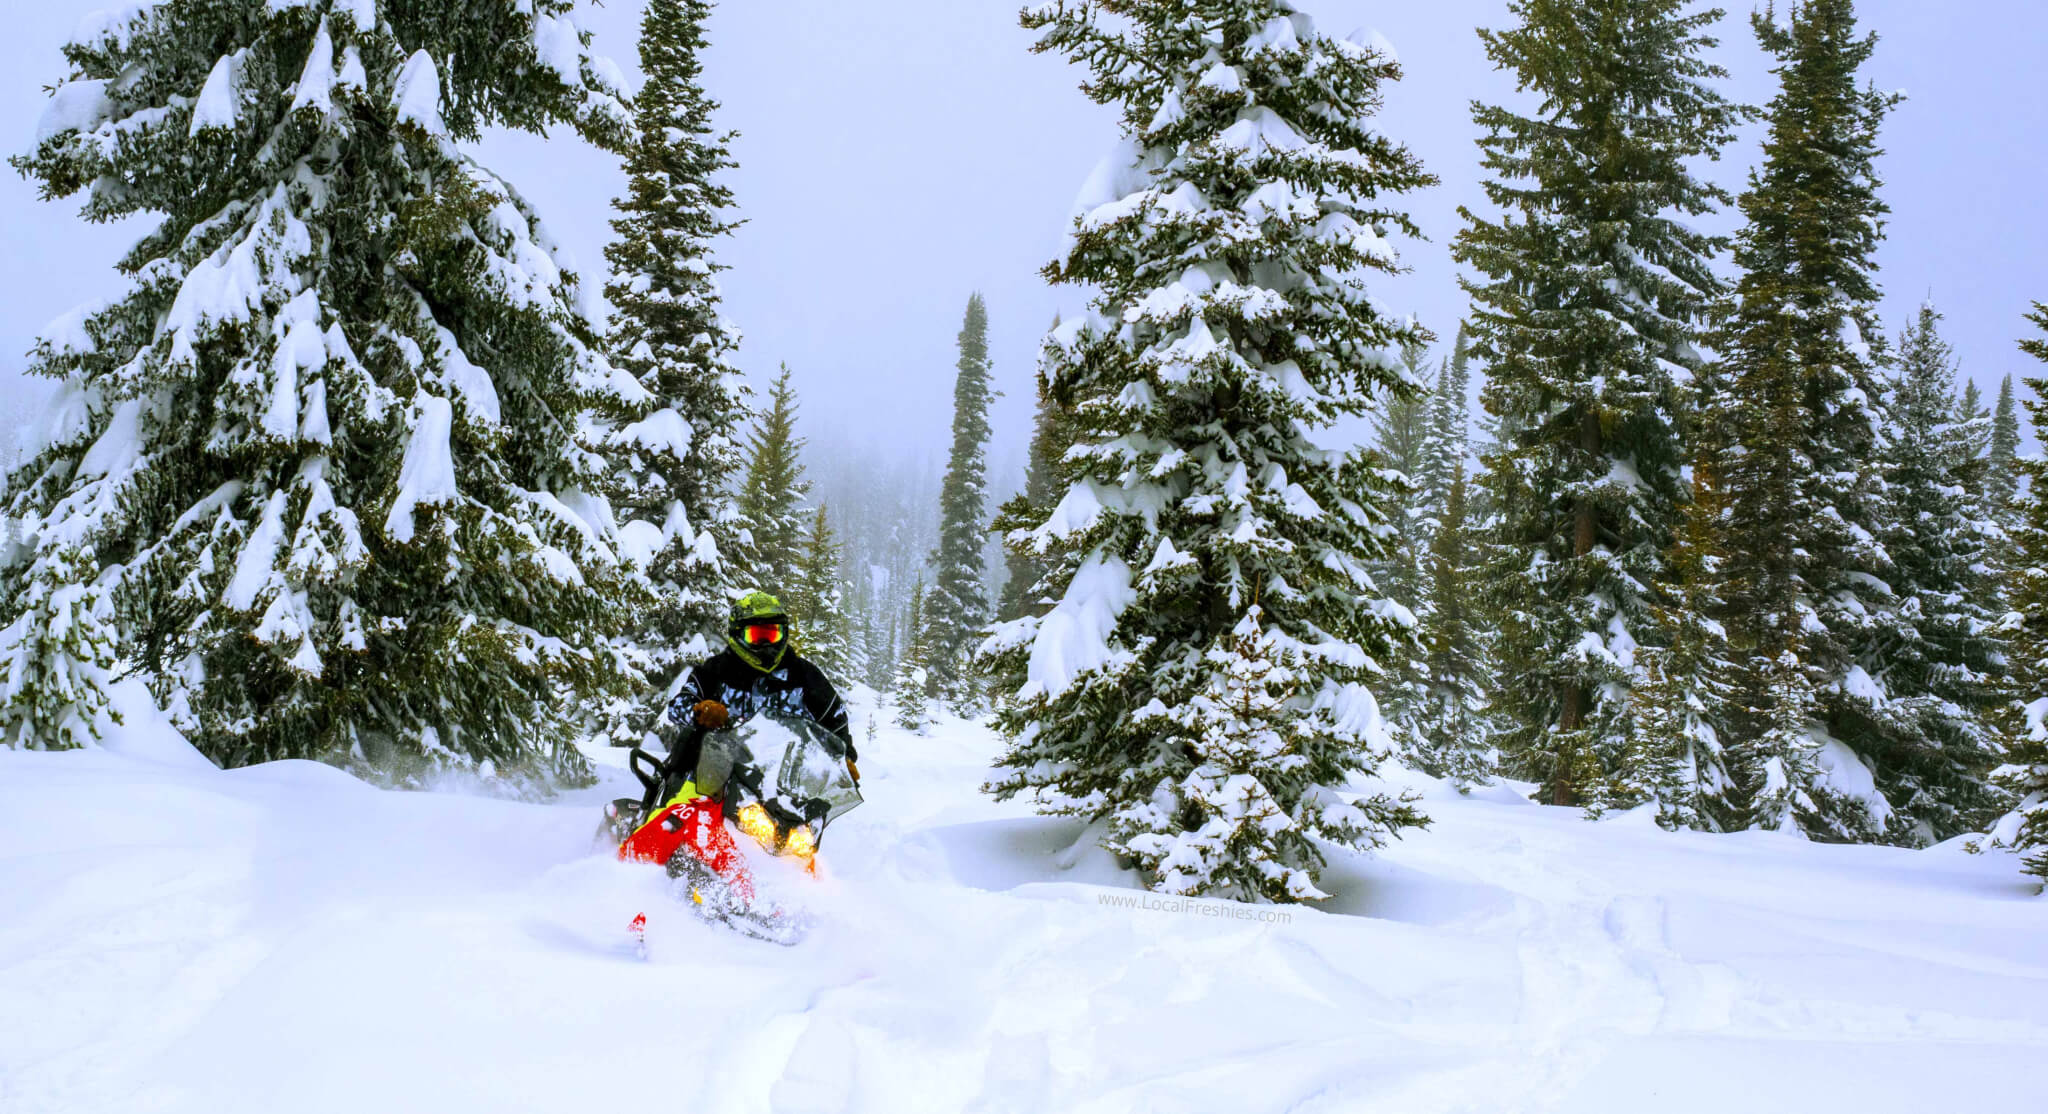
854,770
711,715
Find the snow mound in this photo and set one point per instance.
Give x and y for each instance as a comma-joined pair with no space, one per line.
146,734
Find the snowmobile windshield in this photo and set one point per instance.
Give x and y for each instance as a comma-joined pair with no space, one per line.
803,766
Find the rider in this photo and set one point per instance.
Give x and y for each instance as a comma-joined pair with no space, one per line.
758,672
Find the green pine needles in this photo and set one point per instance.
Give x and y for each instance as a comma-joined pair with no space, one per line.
1202,687
1044,482
817,599
772,530
321,456
1937,659
2025,772
1799,391
1592,294
957,609
676,451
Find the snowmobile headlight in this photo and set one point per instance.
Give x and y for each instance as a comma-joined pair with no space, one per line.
802,843
755,821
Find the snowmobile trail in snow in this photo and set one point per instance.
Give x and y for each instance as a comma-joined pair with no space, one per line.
285,938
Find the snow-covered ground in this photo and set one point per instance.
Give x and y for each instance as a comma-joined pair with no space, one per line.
285,939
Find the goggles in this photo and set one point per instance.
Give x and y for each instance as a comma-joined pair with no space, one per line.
761,634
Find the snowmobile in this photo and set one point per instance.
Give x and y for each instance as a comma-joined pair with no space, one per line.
786,780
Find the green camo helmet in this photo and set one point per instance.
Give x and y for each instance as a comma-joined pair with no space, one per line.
757,610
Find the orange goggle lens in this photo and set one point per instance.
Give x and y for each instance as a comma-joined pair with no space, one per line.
764,634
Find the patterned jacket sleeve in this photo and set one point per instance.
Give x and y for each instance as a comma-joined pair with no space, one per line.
695,685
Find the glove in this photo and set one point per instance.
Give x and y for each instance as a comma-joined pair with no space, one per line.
854,770
711,715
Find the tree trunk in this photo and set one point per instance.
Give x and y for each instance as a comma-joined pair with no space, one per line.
1561,789
1585,534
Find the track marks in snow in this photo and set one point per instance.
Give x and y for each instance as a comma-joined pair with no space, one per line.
1511,960
128,979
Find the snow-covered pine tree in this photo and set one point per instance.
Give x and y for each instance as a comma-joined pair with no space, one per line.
862,616
1593,294
1401,436
1778,770
1044,482
910,689
771,529
2002,458
1447,440
56,657
676,450
884,513
1691,681
1973,426
957,608
1449,729
1203,527
1936,663
2025,773
324,444
1800,404
883,653
818,603
877,634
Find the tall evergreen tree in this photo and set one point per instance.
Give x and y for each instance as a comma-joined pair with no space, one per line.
1052,435
1449,726
772,530
322,451
860,615
882,667
1449,735
1447,440
1401,434
1936,664
2002,458
1973,429
1202,685
1800,402
877,634
675,452
818,602
1595,289
2025,773
1677,756
957,609
910,690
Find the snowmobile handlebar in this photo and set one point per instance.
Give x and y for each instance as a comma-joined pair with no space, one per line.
658,775
650,776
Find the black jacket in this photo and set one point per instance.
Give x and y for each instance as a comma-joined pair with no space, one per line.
795,688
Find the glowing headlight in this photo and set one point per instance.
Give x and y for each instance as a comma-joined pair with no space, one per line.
801,843
755,821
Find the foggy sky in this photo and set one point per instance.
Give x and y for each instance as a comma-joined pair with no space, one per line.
900,154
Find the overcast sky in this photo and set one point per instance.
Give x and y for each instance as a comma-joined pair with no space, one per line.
899,154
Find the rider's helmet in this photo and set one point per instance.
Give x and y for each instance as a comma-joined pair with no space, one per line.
758,630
